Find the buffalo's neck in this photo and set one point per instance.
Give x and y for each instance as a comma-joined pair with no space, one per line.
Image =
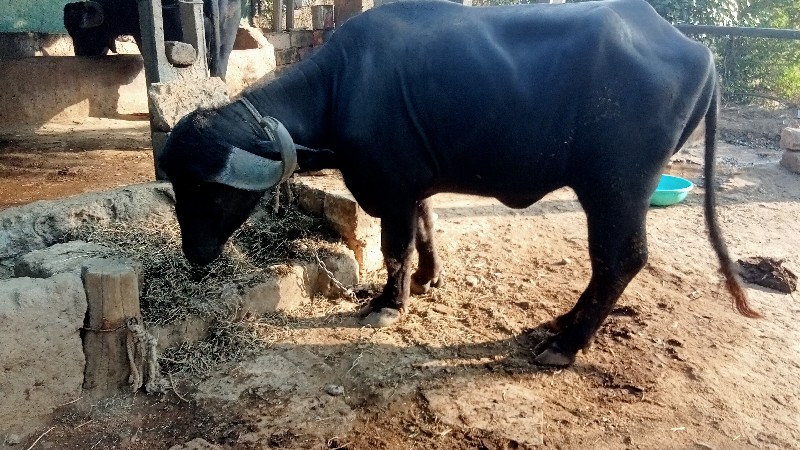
300,99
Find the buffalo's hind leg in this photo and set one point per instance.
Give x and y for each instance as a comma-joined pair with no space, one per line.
618,251
429,269
398,228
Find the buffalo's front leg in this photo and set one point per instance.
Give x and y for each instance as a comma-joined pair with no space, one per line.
397,236
429,269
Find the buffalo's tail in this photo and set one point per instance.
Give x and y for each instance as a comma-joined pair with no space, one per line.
727,267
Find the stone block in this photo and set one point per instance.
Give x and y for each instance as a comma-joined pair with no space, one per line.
305,52
286,56
317,38
282,292
346,217
98,86
310,199
191,329
790,139
180,54
279,40
345,9
301,38
342,269
171,101
41,356
791,161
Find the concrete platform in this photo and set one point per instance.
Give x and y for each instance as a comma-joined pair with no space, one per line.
44,89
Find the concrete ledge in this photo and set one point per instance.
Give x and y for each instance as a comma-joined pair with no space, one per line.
38,90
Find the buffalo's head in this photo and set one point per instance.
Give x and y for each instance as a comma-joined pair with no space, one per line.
87,26
217,185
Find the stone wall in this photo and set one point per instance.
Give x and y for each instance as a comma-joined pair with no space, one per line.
293,46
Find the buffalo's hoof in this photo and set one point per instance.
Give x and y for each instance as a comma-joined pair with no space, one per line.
381,318
549,354
418,288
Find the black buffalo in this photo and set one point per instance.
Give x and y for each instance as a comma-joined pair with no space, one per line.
94,25
413,99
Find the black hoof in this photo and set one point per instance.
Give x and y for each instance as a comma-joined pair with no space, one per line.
550,354
419,288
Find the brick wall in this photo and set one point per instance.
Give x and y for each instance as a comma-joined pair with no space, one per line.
293,46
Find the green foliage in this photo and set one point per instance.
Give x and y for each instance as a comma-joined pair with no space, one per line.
746,65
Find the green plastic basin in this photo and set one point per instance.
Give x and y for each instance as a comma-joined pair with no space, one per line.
671,190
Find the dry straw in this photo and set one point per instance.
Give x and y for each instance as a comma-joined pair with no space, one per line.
174,290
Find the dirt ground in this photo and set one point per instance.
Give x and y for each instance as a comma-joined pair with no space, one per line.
674,367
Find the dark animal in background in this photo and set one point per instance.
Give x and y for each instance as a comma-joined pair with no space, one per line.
415,98
94,25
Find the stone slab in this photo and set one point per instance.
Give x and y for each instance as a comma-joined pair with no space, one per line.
301,38
109,86
279,40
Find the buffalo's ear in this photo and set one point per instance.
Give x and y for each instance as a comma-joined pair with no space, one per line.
93,15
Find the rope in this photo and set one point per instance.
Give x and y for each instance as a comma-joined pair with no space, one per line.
144,345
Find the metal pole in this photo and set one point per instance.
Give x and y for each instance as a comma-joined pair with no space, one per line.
774,33
289,15
277,15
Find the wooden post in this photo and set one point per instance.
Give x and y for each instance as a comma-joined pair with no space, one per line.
112,293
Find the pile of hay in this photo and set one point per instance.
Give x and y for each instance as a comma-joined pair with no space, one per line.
174,290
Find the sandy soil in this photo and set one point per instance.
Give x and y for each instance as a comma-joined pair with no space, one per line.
673,367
